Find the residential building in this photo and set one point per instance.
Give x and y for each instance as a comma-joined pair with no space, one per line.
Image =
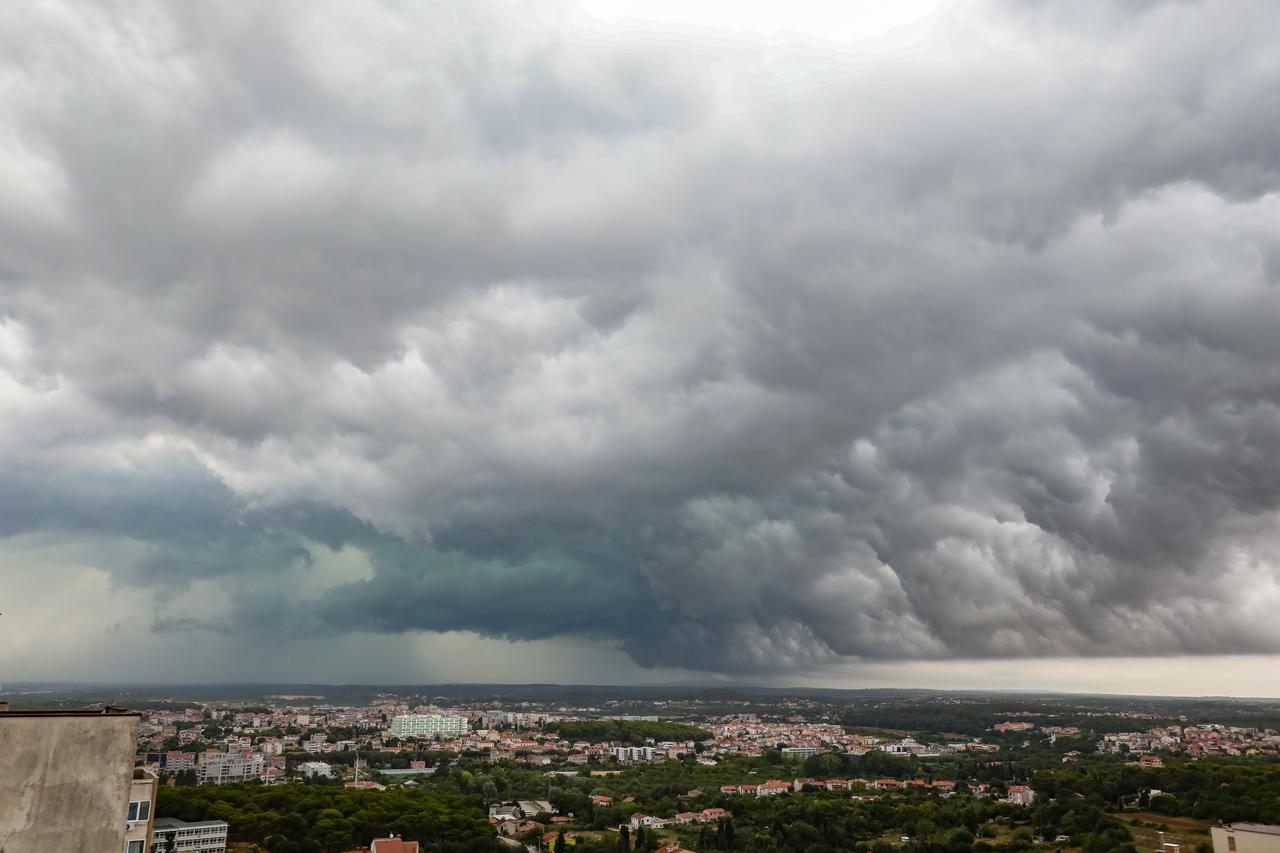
1245,838
394,844
176,836
800,751
138,819
428,725
66,779
315,768
220,767
1021,794
630,754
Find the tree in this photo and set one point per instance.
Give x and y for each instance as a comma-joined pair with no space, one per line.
624,837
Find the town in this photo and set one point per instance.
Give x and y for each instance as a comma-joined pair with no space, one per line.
669,774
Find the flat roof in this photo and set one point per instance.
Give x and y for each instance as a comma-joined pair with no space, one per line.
1266,828
174,823
4,715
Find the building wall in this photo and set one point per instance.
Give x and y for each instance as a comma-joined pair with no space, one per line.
427,725
65,781
142,790
1245,840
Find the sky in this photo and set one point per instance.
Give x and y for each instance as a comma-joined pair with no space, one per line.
920,344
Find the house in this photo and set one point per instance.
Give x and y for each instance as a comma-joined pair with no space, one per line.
549,838
837,784
800,782
713,814
772,788
393,845
506,811
601,800
1020,794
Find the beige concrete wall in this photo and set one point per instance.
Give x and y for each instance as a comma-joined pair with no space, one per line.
65,781
142,789
1245,841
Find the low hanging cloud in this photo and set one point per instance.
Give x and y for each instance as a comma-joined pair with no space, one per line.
745,355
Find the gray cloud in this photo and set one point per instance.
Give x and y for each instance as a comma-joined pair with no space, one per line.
745,356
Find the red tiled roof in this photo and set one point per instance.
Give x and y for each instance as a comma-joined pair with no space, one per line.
394,845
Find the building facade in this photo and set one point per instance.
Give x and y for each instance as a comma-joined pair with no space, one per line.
428,725
66,780
171,835
141,813
1246,838
219,767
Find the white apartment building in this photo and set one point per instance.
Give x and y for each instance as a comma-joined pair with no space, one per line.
629,754
315,768
219,767
800,751
428,725
175,836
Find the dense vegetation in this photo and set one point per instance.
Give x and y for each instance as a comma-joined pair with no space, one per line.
1206,790
629,731
330,818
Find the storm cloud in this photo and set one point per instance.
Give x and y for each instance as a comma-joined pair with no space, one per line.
744,354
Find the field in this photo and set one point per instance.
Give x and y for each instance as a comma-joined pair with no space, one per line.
1185,832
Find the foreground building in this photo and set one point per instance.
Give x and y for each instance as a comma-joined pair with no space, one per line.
67,782
394,844
1246,838
171,835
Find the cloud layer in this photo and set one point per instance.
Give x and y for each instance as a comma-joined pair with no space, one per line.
745,356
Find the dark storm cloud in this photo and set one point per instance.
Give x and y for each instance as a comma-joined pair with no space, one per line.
744,356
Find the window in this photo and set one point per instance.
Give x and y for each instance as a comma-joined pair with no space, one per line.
135,847
140,810
1231,843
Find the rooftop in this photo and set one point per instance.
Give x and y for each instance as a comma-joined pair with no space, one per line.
1266,828
174,823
